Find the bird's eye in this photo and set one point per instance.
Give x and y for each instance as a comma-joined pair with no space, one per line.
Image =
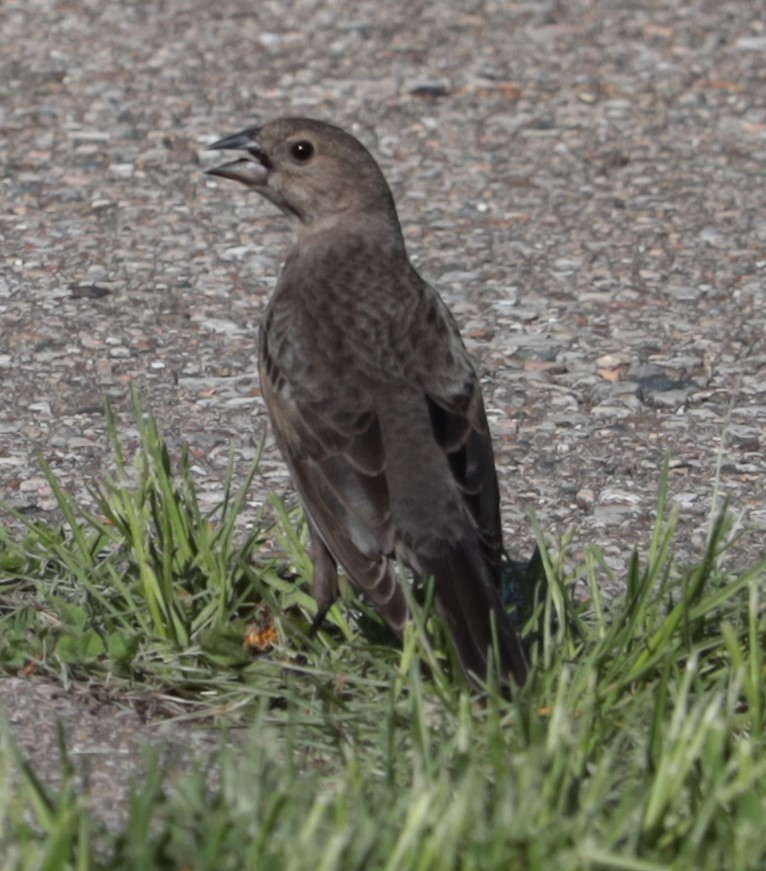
302,150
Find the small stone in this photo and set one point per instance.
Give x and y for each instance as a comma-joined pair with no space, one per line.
43,407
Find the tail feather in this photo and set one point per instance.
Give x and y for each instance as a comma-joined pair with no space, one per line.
470,604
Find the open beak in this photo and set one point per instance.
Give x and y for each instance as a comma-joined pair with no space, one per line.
252,170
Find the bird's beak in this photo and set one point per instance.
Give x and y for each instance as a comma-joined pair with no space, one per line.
252,170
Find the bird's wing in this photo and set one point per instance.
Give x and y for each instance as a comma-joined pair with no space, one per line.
459,422
332,444
466,561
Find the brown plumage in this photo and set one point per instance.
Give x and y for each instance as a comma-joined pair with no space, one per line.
374,401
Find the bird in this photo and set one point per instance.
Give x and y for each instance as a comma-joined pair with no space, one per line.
374,402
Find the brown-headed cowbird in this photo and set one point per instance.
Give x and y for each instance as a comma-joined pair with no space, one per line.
373,399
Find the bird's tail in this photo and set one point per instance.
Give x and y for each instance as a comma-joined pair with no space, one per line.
470,604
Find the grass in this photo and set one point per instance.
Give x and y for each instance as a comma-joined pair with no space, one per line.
637,744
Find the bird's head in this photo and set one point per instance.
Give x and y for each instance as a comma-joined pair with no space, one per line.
317,174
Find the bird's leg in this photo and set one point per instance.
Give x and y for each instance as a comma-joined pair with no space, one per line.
316,623
324,586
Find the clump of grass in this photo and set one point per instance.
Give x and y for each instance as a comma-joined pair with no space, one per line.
637,744
149,590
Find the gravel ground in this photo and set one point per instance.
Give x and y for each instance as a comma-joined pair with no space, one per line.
584,181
